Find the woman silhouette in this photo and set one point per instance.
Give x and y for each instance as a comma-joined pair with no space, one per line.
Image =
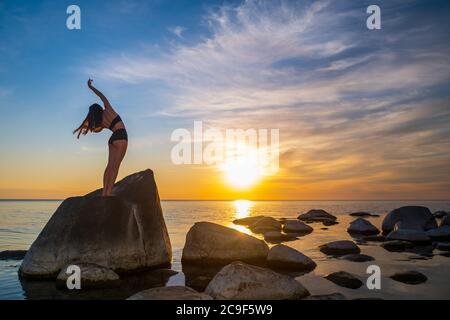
96,120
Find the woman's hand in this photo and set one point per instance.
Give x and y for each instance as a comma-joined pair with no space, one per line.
90,83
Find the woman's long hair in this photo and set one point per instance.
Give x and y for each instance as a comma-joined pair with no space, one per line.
92,122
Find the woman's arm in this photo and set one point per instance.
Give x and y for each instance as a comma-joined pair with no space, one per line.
100,95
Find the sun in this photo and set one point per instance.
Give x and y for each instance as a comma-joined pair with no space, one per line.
241,173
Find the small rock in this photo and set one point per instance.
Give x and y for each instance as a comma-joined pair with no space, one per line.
443,246
92,276
329,222
284,257
357,258
248,221
361,214
331,296
409,277
397,245
317,215
240,281
324,228
410,235
266,224
442,233
363,227
344,279
295,226
13,254
170,293
377,238
277,237
440,214
340,248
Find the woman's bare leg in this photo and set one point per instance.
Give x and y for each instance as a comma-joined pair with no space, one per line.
117,152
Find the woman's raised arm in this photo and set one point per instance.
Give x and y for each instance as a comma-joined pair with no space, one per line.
100,95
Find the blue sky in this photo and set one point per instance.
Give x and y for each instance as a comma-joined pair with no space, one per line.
362,114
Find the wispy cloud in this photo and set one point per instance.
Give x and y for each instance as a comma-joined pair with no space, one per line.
177,30
352,104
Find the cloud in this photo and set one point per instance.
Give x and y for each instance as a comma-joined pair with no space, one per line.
351,104
178,30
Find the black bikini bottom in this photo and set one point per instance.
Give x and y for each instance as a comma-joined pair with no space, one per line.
119,134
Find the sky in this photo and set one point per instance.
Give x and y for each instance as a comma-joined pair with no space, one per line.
362,114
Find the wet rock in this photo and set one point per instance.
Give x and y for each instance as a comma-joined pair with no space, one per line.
266,224
344,279
376,238
331,296
209,243
240,281
248,221
443,246
284,257
409,277
317,215
298,227
357,258
339,248
363,214
410,217
441,233
415,236
92,276
445,221
13,254
440,214
170,293
397,245
124,232
329,222
362,227
277,237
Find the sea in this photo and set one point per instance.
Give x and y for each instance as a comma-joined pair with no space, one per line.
22,220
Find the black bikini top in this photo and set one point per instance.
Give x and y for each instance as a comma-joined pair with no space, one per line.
113,123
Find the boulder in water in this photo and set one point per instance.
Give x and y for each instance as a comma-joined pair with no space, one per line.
297,227
344,279
248,221
240,281
357,257
92,276
441,234
409,277
277,237
209,243
170,293
124,232
411,235
284,257
317,215
265,224
340,248
362,227
410,217
13,254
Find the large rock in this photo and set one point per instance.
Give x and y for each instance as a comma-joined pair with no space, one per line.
317,215
411,235
124,232
209,243
340,248
411,217
284,257
297,227
170,293
92,276
442,233
240,281
344,279
362,227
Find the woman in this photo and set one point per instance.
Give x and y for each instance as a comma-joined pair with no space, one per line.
96,120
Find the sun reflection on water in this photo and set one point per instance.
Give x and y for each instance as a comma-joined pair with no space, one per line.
242,210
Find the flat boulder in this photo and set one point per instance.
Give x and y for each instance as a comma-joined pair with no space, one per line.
409,277
411,235
284,257
397,245
248,221
240,281
297,227
92,276
317,215
442,233
13,254
265,224
362,227
357,257
124,232
209,243
277,237
170,293
340,248
344,279
410,217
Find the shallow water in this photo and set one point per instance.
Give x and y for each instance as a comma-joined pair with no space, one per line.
21,222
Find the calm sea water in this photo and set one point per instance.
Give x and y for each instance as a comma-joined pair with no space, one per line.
21,222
